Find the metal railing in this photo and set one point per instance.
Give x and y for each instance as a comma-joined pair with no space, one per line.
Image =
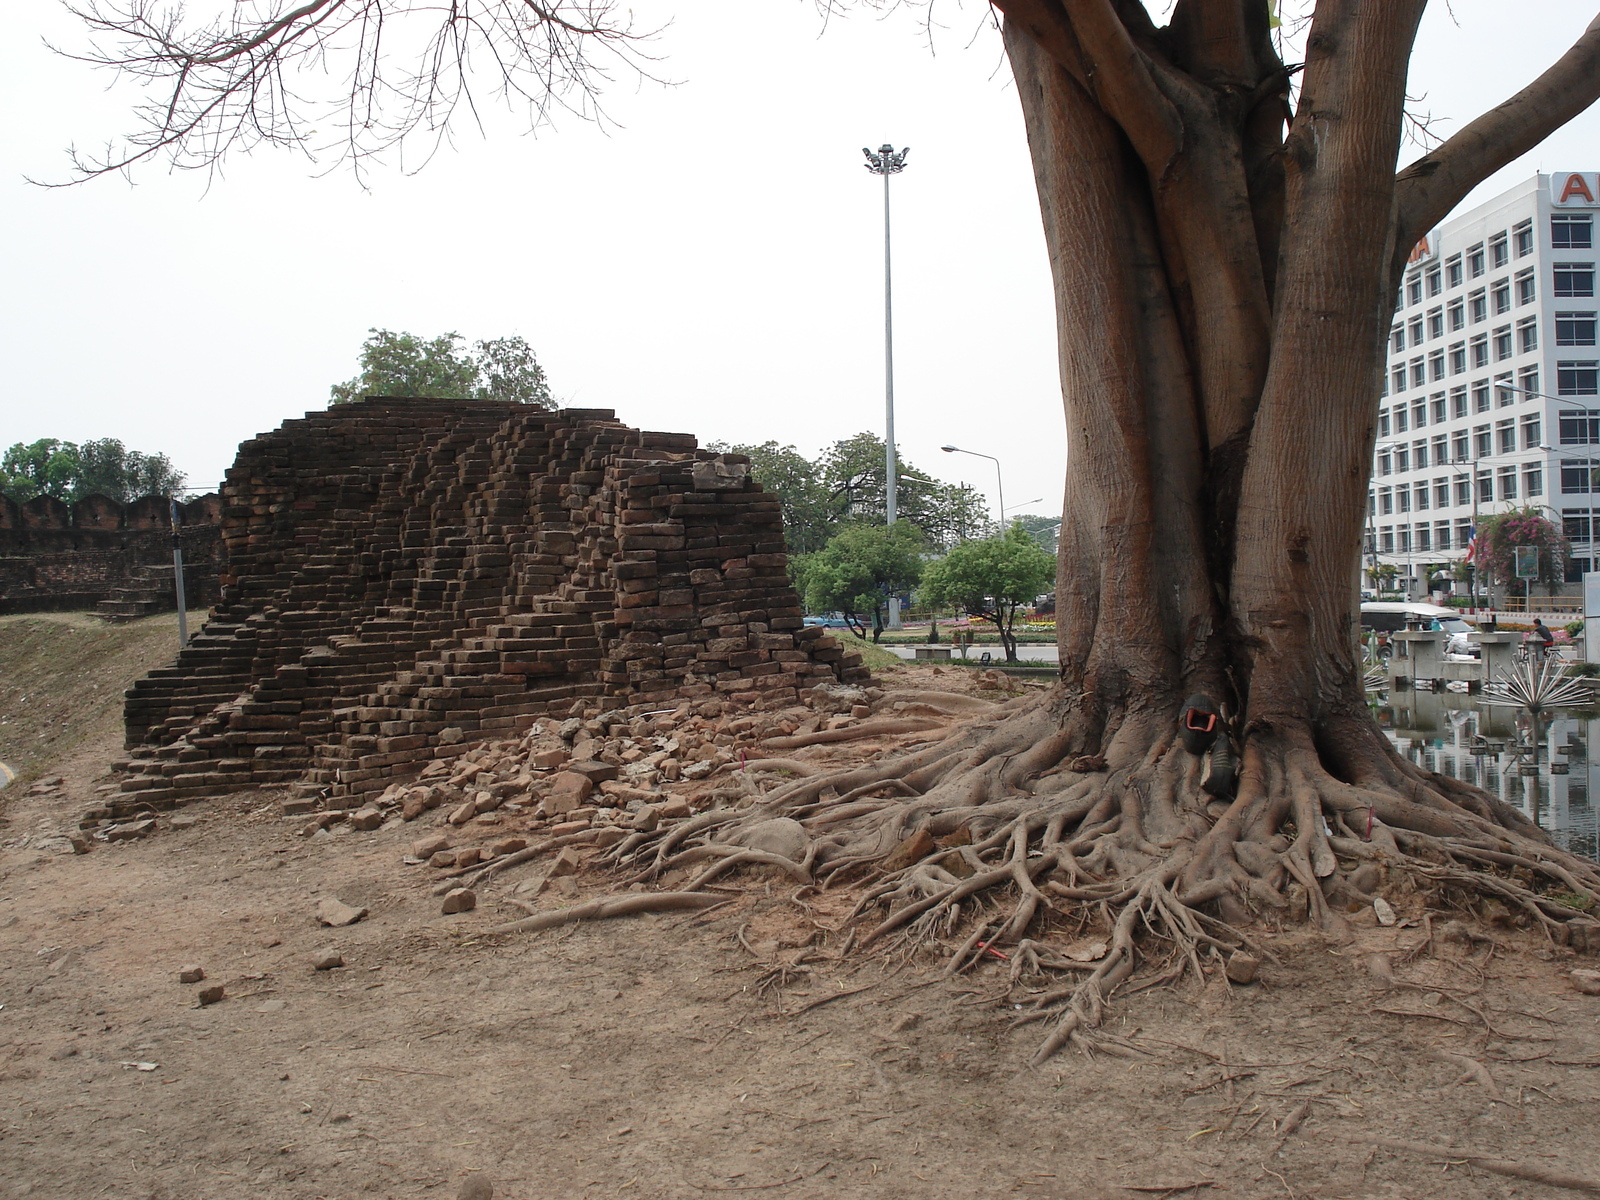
1540,604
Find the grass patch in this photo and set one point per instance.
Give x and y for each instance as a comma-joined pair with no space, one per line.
874,658
62,676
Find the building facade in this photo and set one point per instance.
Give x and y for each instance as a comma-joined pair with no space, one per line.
1491,393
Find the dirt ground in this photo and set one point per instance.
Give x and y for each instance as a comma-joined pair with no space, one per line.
661,1056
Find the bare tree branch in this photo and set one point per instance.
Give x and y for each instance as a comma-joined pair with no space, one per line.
379,72
1430,187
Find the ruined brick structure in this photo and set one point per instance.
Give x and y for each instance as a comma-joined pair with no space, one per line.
405,577
56,556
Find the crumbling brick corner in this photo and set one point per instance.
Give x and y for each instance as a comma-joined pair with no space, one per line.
406,577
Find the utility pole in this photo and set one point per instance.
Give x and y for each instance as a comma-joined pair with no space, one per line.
887,161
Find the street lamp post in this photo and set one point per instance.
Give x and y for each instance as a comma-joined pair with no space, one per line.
1000,488
887,161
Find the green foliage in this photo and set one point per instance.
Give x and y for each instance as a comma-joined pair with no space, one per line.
846,483
1045,531
992,578
402,364
1499,536
69,472
860,568
1574,629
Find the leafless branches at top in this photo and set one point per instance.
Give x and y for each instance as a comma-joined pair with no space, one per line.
352,77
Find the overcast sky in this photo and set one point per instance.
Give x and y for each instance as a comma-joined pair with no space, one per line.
710,263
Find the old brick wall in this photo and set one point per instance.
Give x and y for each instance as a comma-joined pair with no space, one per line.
405,577
57,557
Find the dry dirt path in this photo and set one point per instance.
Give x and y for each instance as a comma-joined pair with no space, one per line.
640,1057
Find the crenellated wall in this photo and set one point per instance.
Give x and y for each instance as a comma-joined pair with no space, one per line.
405,577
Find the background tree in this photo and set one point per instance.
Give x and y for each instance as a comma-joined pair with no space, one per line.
1045,531
403,364
69,472
1228,233
1499,536
859,569
995,578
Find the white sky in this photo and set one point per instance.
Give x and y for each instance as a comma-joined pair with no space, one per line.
713,266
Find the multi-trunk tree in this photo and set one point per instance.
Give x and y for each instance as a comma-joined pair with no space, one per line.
1227,232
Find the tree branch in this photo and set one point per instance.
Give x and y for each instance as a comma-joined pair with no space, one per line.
1123,80
1430,187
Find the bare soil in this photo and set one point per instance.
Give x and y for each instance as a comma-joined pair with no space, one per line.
674,1055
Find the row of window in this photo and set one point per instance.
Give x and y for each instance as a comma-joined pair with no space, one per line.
1572,329
1482,442
1506,483
1423,536
1455,404
1576,280
1568,231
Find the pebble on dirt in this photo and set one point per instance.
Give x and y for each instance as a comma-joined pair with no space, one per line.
191,974
1242,968
336,912
459,900
476,1188
1586,981
212,994
326,960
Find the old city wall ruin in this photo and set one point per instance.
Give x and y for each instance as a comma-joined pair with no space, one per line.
405,577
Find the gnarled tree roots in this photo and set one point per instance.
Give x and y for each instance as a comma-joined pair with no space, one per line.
1079,848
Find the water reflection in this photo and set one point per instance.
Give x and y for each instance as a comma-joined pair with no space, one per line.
1440,731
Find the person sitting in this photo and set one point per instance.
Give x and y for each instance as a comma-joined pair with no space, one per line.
1540,639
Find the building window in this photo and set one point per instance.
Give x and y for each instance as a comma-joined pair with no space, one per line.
1452,270
1385,465
1522,235
1574,279
1506,434
1397,338
1458,315
1436,322
1475,260
1385,501
1571,231
1485,488
1503,389
1438,412
1533,482
1414,290
1480,396
1441,535
1397,378
1419,414
1576,569
1386,539
1422,496
1577,524
1527,286
1508,483
1575,328
1482,443
1527,335
1579,426
1480,350
1404,532
1436,365
1499,254
1478,307
1383,422
1529,379
1501,292
1580,378
1458,358
1458,397
1419,373
1416,331
1441,493
1402,499
1435,280
1402,459
1530,432
1578,476
1424,542
1419,452
1502,343
1458,445
1463,492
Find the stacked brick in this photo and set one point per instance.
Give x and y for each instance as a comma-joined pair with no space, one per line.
405,577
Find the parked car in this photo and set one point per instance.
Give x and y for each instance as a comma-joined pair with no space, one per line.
829,621
1384,617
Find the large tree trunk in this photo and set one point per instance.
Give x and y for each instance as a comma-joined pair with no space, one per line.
1224,277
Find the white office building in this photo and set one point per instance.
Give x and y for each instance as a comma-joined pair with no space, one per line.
1491,399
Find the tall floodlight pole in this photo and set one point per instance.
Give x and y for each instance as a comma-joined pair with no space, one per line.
887,161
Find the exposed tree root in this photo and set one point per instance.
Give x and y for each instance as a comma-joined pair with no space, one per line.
851,733
611,906
1485,1162
1033,823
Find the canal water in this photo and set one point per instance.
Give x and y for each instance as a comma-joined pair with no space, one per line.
1510,752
